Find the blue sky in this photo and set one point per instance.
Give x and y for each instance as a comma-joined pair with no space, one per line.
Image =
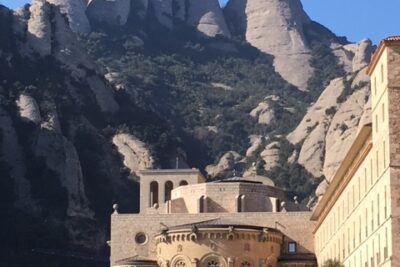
356,19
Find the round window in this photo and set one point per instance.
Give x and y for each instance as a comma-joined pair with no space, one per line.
140,238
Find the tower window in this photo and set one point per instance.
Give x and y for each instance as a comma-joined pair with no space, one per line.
292,247
202,204
168,188
183,182
153,193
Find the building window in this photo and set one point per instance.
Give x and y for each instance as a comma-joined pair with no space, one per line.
385,202
382,73
383,112
168,188
292,247
212,263
245,264
180,263
183,182
202,204
240,201
153,193
377,163
375,85
140,238
384,154
378,210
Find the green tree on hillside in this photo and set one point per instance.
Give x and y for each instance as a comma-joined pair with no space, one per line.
333,263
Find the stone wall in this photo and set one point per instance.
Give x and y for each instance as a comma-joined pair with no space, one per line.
393,73
223,197
296,226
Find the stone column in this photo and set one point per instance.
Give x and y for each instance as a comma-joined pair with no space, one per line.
161,192
194,262
231,262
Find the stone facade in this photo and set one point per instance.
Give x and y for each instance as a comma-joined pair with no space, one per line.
184,221
358,217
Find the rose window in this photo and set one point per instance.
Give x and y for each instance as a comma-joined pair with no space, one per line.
213,263
180,264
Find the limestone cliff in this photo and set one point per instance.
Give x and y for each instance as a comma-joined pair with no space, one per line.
109,12
29,109
330,125
206,16
136,155
75,12
39,27
225,166
275,27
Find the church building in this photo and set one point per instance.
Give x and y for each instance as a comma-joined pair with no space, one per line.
248,222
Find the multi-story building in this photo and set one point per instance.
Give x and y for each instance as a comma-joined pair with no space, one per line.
246,222
358,219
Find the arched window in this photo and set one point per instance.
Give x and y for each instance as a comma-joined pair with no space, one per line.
183,182
168,188
153,193
202,204
278,205
180,263
240,203
212,261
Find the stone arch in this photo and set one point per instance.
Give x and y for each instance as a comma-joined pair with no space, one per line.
180,260
153,193
183,183
212,260
168,186
240,202
202,204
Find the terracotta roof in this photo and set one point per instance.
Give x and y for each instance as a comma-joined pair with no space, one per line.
392,38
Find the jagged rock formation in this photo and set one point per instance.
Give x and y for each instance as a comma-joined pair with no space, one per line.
354,57
29,109
137,157
163,12
266,111
39,27
225,165
109,12
271,155
12,154
75,12
312,129
256,142
206,16
330,127
61,157
275,27
343,128
50,35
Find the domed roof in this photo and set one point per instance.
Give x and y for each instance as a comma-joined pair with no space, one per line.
259,178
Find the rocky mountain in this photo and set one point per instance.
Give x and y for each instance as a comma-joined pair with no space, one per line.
276,28
92,91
